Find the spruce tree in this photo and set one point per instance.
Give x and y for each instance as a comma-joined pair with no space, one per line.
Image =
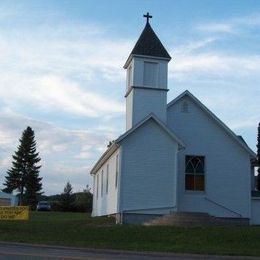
67,198
24,173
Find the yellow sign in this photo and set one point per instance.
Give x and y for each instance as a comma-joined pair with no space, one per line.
14,213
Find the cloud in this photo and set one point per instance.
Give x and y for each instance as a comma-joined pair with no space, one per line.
233,25
61,69
65,154
250,122
193,46
54,92
216,27
5,162
214,64
59,72
50,93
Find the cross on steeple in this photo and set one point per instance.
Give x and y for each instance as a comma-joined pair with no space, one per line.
147,16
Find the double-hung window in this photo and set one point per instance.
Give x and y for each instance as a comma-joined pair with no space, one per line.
117,168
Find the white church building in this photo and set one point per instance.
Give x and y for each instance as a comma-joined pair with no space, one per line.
174,157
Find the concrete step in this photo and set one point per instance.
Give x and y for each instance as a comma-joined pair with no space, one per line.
189,219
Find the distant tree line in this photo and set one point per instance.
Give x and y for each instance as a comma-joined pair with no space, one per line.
69,201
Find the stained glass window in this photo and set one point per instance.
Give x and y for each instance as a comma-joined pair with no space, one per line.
195,173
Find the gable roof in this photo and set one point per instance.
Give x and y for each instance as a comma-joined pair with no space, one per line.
236,138
157,121
110,150
149,44
116,144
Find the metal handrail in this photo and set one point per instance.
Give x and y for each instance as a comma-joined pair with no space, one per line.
216,203
129,210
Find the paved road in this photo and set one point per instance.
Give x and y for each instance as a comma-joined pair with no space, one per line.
18,251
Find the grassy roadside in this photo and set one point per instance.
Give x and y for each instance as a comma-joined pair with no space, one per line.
78,229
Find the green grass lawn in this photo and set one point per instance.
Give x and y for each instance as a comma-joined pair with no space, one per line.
79,229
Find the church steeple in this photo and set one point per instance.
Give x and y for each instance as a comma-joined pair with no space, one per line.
148,44
147,69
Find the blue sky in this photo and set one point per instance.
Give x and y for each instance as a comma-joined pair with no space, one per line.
61,72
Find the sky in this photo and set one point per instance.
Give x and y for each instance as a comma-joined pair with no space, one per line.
61,72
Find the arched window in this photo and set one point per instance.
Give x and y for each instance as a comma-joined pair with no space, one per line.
195,173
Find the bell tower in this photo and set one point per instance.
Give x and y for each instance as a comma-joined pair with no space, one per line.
147,73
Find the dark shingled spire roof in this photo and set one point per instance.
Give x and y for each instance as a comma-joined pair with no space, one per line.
149,44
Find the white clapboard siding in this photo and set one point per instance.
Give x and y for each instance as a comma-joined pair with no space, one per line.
227,164
148,170
106,203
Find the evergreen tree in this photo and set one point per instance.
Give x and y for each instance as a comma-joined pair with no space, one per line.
67,198
83,200
258,157
24,173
